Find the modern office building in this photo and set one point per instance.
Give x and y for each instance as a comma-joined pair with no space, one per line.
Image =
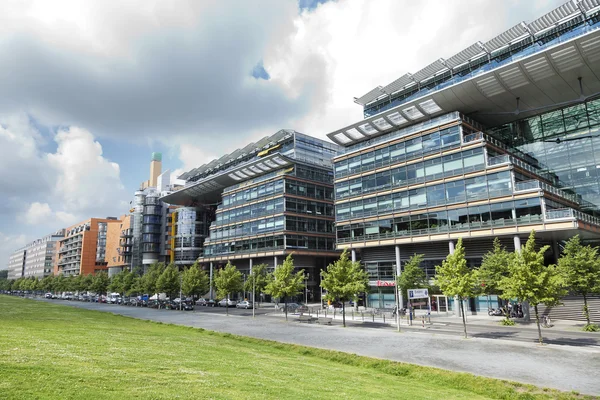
494,141
36,259
261,203
82,251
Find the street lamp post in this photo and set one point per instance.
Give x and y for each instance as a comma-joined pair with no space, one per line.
180,288
253,294
244,287
306,288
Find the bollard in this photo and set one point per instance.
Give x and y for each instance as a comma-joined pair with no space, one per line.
384,318
363,315
373,317
352,315
423,320
334,313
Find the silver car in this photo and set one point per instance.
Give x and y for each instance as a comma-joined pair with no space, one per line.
244,304
226,303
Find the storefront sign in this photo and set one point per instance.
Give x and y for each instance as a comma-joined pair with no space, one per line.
382,283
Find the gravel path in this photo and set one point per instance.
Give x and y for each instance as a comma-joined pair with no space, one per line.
562,367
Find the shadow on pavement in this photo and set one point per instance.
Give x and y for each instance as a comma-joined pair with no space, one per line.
494,335
573,341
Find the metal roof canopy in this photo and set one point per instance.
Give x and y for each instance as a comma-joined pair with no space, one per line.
209,190
429,70
369,96
537,90
467,54
248,149
566,11
569,9
398,84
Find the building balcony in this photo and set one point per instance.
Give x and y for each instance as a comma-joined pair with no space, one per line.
551,216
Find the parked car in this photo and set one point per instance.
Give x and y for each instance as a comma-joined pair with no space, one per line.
244,304
201,302
48,295
226,303
188,306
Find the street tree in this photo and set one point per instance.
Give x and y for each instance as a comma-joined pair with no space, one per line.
228,280
494,266
580,267
169,282
456,279
100,283
283,282
257,281
137,287
344,280
530,280
195,281
413,276
150,278
116,283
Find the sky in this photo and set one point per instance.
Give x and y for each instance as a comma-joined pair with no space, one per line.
88,90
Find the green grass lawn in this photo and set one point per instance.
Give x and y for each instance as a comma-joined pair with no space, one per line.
50,351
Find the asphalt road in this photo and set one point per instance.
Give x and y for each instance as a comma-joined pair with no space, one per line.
557,366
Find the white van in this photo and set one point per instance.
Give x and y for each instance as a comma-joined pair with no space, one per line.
113,298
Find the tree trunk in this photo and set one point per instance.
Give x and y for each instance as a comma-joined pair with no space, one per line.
343,314
537,321
462,309
285,306
586,311
227,305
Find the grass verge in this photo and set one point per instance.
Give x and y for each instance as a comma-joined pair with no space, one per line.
50,351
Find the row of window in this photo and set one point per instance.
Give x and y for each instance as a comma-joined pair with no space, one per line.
437,168
241,197
413,148
313,174
480,187
308,190
301,206
273,206
462,218
248,228
297,224
271,243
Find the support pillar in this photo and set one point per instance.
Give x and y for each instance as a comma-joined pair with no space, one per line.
353,252
398,273
525,305
555,250
274,262
456,302
211,281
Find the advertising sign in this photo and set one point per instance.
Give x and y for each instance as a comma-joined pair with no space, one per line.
418,294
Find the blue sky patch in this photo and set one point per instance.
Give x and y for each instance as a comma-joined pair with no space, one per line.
259,72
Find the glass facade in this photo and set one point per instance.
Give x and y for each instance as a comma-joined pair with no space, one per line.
566,142
296,200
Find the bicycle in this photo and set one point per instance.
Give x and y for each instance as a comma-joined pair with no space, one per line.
546,322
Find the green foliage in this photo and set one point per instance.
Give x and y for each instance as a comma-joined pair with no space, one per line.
3,274
344,280
116,283
413,276
259,274
283,282
530,280
580,267
228,280
88,281
100,282
195,281
150,278
591,328
168,281
507,322
137,286
494,266
456,279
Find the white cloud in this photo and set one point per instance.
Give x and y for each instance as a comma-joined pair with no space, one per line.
37,213
86,181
